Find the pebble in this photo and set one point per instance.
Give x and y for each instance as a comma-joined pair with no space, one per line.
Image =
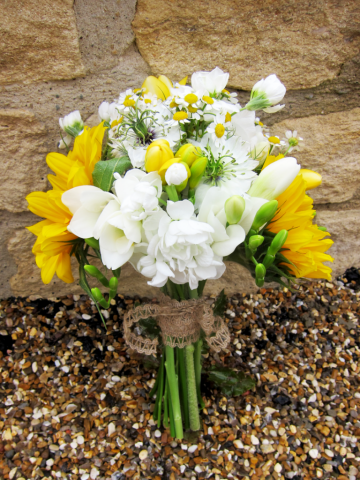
254,440
278,468
314,453
80,440
143,454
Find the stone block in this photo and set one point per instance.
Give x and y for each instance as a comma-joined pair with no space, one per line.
303,43
39,41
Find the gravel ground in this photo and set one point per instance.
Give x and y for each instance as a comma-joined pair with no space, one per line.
74,400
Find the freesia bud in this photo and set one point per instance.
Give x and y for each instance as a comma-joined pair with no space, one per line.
94,272
188,153
312,179
157,154
234,209
197,170
255,241
157,86
260,272
267,93
72,124
176,174
99,297
93,243
278,242
264,214
275,179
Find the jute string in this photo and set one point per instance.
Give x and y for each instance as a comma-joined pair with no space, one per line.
180,323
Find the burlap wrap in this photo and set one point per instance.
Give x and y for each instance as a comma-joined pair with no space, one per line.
180,324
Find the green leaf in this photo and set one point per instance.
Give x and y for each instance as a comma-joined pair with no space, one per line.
220,304
149,328
103,174
231,383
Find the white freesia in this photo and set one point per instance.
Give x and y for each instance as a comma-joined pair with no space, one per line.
210,83
176,174
137,156
72,124
179,248
64,142
212,212
266,94
114,220
275,179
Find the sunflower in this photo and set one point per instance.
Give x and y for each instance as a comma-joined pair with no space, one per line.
306,244
77,167
54,243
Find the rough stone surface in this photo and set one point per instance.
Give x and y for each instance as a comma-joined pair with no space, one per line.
344,227
105,32
331,147
39,41
22,154
304,42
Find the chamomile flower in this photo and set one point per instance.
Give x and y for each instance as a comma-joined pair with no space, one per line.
127,100
219,130
275,141
292,139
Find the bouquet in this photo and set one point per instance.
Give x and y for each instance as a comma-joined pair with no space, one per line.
176,179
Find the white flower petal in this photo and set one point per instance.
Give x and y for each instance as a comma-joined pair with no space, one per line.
182,210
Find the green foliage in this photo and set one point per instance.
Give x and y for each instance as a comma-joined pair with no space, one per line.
220,304
231,383
103,174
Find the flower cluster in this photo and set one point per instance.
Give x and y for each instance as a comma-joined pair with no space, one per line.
185,178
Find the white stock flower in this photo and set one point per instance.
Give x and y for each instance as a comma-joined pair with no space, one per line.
176,174
211,83
72,124
275,179
266,94
137,156
179,248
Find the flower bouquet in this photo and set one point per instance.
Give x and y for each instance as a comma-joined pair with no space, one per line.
177,179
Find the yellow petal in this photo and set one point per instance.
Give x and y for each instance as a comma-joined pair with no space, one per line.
312,179
166,81
155,86
38,227
63,270
183,81
49,268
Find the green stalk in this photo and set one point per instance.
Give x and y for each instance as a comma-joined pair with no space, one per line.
160,390
174,391
197,361
153,390
193,293
183,385
191,384
166,405
171,413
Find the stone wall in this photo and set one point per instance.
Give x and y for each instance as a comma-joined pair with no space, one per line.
63,55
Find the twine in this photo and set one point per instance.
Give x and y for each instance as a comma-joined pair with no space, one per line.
180,323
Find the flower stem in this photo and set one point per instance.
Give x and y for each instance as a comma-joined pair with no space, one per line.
183,387
159,394
191,384
171,413
166,405
174,391
197,362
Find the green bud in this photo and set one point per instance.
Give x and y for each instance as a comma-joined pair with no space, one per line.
197,170
260,272
93,243
113,285
278,242
255,241
234,209
95,272
323,229
265,213
268,260
99,298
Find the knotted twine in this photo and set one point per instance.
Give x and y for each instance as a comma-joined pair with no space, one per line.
180,323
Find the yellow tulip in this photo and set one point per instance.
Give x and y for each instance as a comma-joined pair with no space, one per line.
188,153
157,154
312,179
166,81
157,87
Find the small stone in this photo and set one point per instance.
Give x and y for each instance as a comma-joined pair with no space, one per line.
314,453
312,398
192,449
94,473
80,440
278,468
254,440
85,316
54,448
143,454
238,444
281,431
329,453
157,433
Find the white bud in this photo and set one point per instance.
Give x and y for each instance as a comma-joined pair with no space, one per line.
176,174
72,124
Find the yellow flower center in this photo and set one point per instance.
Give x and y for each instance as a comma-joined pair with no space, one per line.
226,91
129,102
180,116
173,104
192,109
191,98
208,99
227,117
114,123
219,130
137,90
147,100
274,140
